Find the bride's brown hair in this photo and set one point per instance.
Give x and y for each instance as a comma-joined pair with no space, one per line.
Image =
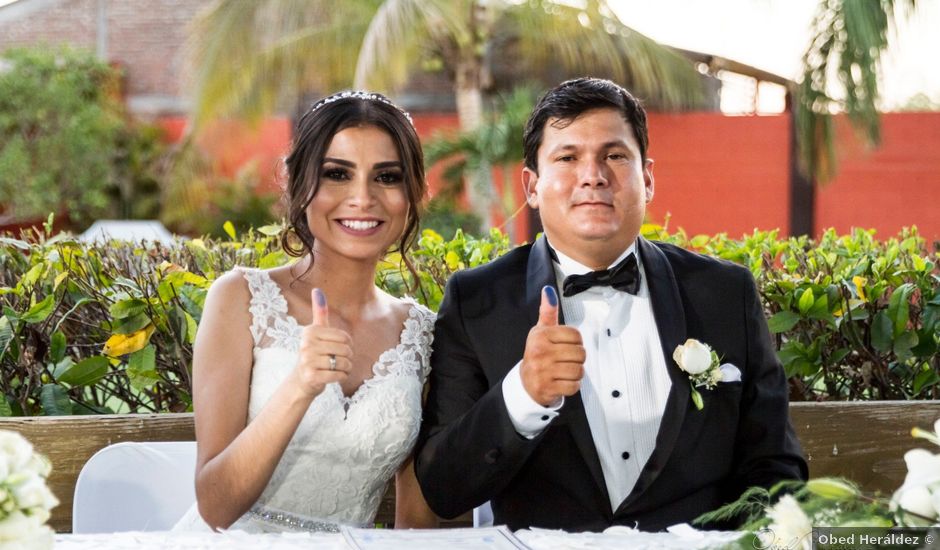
313,136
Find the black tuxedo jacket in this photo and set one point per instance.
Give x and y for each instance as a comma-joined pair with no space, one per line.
469,452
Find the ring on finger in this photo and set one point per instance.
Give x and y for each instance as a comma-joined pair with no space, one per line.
332,362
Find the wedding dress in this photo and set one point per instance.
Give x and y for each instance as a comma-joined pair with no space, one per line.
346,449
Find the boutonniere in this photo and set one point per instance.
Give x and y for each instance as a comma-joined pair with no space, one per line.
701,364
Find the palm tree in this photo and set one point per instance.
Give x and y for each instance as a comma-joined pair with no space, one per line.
497,142
840,74
250,56
841,67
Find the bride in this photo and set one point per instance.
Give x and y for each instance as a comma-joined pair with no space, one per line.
307,379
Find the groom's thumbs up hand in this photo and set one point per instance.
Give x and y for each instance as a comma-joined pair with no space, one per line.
325,352
553,364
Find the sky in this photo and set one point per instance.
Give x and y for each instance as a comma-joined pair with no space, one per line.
773,34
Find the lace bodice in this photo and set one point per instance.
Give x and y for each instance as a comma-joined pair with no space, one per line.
345,450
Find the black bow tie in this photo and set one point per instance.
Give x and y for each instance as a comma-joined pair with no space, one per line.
624,276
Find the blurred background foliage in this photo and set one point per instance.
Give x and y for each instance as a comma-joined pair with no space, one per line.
66,145
98,328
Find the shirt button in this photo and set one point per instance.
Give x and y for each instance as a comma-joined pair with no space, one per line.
608,332
491,456
625,455
615,393
544,418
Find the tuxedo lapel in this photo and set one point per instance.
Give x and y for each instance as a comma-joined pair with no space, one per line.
541,272
670,323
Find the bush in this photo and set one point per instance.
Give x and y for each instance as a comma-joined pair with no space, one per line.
64,144
854,318
109,328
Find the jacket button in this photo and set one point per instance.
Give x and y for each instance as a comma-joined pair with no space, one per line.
492,456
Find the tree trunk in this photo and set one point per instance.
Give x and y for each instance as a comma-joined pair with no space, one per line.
469,96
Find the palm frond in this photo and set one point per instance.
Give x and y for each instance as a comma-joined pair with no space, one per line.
842,65
246,57
592,39
397,35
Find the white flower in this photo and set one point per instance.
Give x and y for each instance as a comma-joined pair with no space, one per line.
693,357
18,525
25,500
917,500
33,493
790,526
15,452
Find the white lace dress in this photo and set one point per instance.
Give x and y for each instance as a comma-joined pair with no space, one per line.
337,465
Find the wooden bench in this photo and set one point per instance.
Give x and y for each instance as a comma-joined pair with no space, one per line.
862,441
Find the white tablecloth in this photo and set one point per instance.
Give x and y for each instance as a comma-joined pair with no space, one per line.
615,538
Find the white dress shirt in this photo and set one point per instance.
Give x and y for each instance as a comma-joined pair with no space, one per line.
625,384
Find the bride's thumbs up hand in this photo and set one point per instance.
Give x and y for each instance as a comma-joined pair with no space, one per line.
325,352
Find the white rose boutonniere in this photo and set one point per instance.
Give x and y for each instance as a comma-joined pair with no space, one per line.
702,364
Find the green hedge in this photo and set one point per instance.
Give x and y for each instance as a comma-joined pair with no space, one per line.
109,328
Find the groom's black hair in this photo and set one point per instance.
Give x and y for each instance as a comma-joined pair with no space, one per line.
569,100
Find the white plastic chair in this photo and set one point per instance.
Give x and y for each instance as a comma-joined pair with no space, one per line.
135,487
483,515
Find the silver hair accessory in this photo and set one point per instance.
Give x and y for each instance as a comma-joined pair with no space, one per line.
363,95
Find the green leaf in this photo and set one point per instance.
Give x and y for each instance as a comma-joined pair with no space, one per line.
820,309
55,400
806,301
31,276
191,328
903,344
783,321
926,345
6,334
273,259
270,230
839,355
925,378
899,307
5,408
130,325
62,366
40,311
22,245
882,332
229,229
696,398
142,368
127,308
86,372
56,346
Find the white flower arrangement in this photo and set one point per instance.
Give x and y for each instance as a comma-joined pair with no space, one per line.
775,520
917,502
702,365
25,500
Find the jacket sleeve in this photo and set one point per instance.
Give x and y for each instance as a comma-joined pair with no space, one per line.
468,449
767,450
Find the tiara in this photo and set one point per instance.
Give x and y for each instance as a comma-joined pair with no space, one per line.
363,95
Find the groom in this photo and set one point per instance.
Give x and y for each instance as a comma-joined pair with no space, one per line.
553,390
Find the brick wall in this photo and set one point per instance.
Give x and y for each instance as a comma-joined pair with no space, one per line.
145,38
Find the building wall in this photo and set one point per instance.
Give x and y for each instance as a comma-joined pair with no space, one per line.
144,38
713,173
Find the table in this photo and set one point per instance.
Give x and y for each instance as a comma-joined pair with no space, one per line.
615,538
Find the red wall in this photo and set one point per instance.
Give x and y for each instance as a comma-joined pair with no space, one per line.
895,185
713,173
717,173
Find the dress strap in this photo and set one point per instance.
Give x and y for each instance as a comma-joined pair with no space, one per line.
267,303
